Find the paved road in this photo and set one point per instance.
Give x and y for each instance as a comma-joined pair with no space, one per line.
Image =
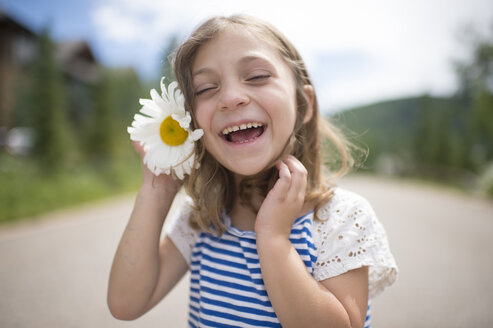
53,273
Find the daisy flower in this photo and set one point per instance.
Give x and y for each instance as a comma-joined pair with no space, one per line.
165,132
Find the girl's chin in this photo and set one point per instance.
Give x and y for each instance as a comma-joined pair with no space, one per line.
251,171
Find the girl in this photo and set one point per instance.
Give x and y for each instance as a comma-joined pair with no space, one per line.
268,241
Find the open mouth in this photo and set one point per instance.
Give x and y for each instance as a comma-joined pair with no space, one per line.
243,133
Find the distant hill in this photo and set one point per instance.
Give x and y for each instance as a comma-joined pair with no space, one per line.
397,127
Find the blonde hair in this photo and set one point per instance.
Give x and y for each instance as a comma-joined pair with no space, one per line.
212,186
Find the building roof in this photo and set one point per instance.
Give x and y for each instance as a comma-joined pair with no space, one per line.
8,22
77,59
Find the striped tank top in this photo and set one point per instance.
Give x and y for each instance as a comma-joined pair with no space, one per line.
226,286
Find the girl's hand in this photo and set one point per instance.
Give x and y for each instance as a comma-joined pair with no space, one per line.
284,201
149,180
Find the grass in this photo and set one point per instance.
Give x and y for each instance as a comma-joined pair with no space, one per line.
27,191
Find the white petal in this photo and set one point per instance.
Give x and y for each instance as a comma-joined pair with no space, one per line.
179,172
187,166
164,157
159,101
188,118
176,99
157,162
182,120
152,110
180,100
155,140
196,134
148,134
186,149
175,154
148,160
135,135
149,127
163,87
150,103
172,90
141,119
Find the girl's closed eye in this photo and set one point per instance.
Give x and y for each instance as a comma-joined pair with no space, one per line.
205,89
258,78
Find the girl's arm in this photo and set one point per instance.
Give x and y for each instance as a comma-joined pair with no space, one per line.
144,269
298,299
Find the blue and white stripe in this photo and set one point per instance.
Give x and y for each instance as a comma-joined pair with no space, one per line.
368,316
226,286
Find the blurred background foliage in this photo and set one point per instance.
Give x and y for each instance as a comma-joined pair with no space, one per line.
442,139
64,140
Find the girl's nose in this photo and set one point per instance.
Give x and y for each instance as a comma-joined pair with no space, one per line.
233,97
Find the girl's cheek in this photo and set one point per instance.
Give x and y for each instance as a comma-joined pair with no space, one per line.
203,114
199,116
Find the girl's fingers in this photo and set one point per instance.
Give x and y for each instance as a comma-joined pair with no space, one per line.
283,170
281,187
298,178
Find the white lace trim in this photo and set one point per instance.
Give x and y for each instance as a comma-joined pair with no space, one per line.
178,229
347,237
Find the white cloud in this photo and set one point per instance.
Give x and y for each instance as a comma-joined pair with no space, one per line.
410,43
116,25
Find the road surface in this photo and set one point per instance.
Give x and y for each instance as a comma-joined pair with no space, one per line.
54,271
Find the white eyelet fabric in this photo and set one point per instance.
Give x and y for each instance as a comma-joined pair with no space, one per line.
348,236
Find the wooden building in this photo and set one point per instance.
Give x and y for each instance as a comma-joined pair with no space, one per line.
17,50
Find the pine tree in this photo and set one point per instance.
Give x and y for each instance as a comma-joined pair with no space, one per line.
49,122
103,120
476,93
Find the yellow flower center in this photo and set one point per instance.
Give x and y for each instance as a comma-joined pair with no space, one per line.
172,133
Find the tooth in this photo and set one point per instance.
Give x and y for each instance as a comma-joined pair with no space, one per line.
234,128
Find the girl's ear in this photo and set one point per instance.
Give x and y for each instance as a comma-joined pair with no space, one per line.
310,96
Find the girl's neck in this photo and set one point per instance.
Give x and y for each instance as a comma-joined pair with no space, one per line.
242,216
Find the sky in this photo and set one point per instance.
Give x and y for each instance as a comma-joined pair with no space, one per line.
357,51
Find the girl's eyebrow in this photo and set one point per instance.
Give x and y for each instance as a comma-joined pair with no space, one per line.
252,58
201,71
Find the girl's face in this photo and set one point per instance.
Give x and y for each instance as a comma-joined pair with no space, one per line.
245,100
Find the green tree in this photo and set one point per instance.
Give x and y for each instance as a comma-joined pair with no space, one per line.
476,94
103,120
48,107
432,141
422,146
127,89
